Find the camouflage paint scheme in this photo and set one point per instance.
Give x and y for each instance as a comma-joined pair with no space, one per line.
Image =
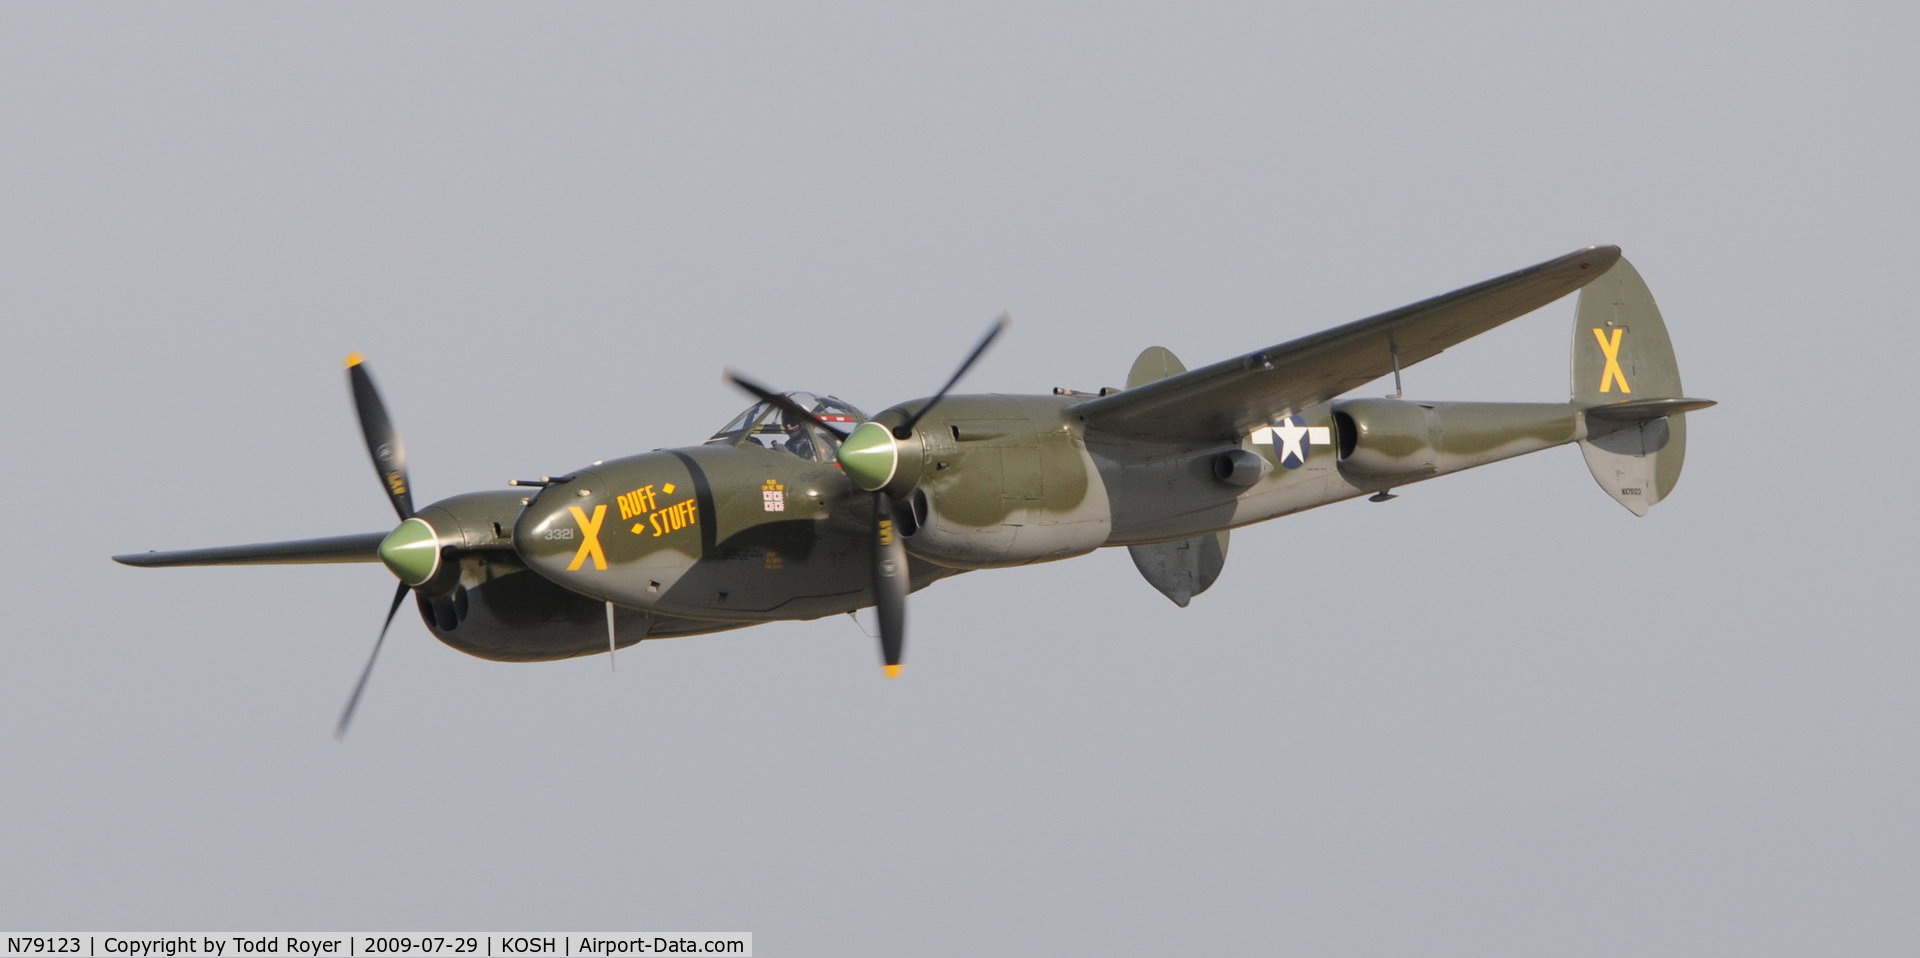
689,540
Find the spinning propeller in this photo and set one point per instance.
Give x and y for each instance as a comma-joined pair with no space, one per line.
870,456
411,551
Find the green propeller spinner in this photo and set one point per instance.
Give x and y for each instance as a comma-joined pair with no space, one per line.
412,551
870,456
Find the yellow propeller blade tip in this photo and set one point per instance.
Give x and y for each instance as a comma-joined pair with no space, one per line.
355,359
893,671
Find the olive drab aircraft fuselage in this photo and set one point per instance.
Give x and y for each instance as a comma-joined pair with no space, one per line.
803,507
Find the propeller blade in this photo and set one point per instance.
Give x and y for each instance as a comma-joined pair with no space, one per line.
905,429
383,442
340,731
785,405
889,583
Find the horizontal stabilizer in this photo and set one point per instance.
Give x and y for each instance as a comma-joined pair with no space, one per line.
364,547
1644,410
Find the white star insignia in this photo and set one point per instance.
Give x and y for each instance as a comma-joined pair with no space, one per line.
1289,441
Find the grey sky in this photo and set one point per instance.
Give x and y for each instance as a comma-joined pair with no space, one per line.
1498,715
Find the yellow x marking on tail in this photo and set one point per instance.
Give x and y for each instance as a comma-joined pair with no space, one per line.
1612,350
590,533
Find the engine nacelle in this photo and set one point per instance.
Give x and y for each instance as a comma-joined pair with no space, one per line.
501,610
482,599
992,481
1386,440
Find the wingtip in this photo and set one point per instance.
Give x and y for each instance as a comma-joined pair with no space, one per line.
1602,257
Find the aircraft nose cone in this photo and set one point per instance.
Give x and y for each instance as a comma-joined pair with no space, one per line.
412,551
559,533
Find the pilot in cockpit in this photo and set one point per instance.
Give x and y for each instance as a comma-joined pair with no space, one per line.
798,442
766,425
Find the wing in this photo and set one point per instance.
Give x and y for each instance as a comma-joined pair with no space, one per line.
357,548
1226,399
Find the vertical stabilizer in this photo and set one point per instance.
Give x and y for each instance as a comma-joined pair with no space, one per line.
1626,380
1154,364
1183,569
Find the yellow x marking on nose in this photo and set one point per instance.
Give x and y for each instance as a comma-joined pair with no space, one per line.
590,532
1612,350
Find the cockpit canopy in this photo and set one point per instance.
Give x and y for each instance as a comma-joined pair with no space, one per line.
764,424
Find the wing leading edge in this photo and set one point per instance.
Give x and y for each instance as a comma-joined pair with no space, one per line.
1227,398
364,547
